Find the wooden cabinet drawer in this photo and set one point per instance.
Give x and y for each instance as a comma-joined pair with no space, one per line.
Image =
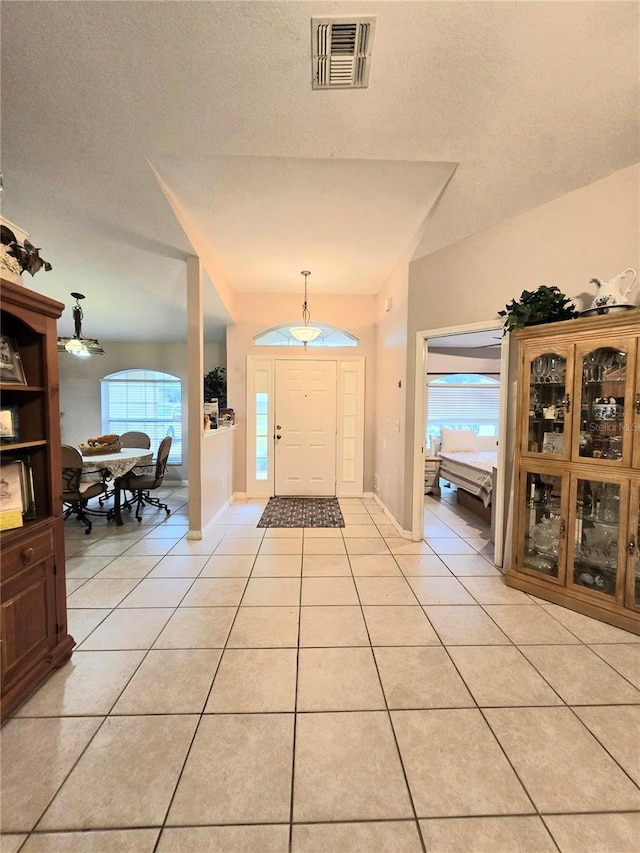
29,551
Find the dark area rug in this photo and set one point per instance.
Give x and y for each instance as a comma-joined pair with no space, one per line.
302,512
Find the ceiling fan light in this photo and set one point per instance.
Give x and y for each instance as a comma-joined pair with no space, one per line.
305,334
75,346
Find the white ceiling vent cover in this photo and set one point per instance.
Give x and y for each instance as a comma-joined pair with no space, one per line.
341,52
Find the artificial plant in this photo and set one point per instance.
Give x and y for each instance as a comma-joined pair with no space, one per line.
215,386
544,305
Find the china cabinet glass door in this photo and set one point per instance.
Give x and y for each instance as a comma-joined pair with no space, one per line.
633,550
548,401
597,550
605,392
543,537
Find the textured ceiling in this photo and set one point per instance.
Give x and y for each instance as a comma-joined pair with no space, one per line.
475,111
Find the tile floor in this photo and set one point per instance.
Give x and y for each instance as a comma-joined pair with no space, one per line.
334,690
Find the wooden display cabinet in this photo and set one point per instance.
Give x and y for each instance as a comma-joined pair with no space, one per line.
577,495
33,595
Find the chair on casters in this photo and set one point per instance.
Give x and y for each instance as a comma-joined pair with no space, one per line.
76,494
141,484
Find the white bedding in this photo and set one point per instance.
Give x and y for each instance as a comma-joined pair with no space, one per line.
471,471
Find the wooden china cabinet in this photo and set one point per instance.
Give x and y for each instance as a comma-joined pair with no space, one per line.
577,492
33,597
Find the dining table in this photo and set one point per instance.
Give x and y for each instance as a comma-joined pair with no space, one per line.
116,465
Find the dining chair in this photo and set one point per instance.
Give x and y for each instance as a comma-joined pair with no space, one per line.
75,493
135,439
145,479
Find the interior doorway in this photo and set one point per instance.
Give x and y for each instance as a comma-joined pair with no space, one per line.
305,428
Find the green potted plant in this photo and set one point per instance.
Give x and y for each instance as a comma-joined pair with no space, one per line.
215,386
17,257
544,305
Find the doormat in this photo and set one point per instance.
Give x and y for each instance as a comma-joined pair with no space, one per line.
302,512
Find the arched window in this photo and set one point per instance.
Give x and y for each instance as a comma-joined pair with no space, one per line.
144,400
280,336
463,401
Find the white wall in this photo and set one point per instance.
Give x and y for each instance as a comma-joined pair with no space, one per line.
254,312
591,232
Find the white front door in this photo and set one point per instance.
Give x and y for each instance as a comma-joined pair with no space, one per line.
305,428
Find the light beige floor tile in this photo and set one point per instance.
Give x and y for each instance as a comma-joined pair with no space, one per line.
422,565
360,529
314,545
228,566
101,593
332,626
179,566
433,742
460,625
170,682
238,770
487,835
126,776
373,565
487,549
328,591
85,567
129,567
561,764
225,839
388,531
75,547
323,533
265,627
37,754
72,584
338,679
272,592
404,547
392,625
106,841
325,565
436,590
128,629
239,545
197,628
80,623
473,565
254,681
110,546
152,546
88,684
281,546
580,676
158,592
529,625
373,837
11,843
624,658
278,565
488,590
501,676
601,833
371,545
611,725
207,545
347,768
415,677
590,630
450,546
246,531
283,532
385,591
215,592
438,531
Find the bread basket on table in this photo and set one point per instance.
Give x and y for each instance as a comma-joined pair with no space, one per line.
100,445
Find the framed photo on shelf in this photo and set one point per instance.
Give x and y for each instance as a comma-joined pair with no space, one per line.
11,369
11,507
9,424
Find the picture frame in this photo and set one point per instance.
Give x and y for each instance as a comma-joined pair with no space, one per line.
11,369
9,424
11,506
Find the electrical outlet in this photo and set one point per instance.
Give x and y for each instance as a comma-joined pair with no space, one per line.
396,426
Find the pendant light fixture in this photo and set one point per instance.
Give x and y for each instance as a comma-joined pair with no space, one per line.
305,333
78,345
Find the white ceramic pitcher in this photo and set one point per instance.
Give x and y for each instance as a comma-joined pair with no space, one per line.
611,292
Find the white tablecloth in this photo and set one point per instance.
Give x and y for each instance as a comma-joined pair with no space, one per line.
116,463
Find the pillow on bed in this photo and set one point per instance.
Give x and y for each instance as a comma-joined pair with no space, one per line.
458,440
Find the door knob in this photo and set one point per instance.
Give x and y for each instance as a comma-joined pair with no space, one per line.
278,437
278,426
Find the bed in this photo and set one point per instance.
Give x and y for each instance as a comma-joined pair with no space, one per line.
470,471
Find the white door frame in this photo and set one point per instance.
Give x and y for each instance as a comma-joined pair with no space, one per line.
350,422
420,416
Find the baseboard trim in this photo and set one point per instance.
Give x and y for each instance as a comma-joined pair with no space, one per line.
406,534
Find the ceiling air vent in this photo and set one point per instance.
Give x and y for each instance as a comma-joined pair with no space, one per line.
341,52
